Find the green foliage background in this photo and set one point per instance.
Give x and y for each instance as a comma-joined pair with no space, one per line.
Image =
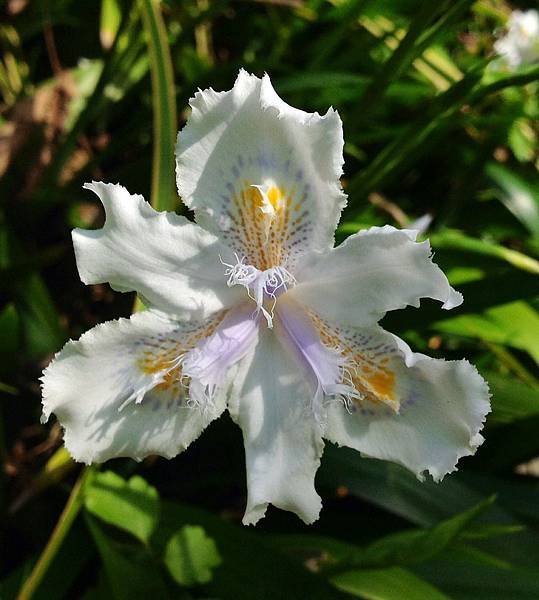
433,125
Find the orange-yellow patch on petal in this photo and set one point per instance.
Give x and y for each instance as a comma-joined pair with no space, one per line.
161,355
368,364
275,195
383,384
267,221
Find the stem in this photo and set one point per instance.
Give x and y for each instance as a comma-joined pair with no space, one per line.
71,510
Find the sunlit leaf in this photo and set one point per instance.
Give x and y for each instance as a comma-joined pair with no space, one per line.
111,15
511,399
515,324
251,568
191,556
131,505
457,240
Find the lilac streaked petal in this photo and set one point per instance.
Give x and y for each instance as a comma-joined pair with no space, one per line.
325,367
208,362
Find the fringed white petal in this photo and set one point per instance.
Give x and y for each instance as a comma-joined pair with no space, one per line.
172,263
372,272
119,390
441,406
262,175
270,401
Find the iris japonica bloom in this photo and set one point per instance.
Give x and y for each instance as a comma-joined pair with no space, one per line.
253,310
520,45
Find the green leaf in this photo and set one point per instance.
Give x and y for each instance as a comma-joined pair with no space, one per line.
111,16
410,547
517,195
414,140
251,567
39,319
465,580
387,584
163,194
191,555
515,324
131,505
329,552
395,489
9,331
520,496
511,399
523,139
124,65
130,570
418,37
456,240
399,549
483,531
519,79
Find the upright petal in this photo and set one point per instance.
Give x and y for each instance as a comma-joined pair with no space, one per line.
172,263
372,272
270,401
420,412
120,390
262,175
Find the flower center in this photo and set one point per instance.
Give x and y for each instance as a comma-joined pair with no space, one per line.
263,287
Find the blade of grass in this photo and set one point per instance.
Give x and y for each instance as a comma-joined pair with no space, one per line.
417,39
70,512
457,240
520,79
163,194
409,144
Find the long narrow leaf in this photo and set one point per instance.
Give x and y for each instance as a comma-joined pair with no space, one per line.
163,195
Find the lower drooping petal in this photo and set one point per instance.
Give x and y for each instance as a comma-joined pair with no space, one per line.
442,405
283,443
118,391
372,272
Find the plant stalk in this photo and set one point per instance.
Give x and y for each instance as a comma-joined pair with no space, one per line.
70,512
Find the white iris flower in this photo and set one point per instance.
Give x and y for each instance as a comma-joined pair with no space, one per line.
520,45
253,310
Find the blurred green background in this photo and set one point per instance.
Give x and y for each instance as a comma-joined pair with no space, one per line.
435,126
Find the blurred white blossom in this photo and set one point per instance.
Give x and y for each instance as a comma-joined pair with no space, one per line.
520,45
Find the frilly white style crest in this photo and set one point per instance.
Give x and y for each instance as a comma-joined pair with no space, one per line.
253,310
